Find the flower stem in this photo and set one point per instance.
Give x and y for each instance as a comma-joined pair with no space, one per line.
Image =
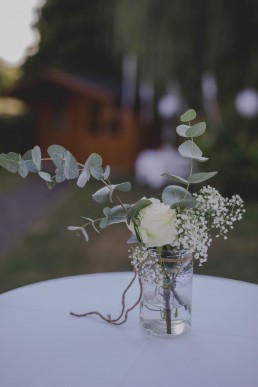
166,293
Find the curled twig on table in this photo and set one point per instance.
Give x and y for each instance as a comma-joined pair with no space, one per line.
116,320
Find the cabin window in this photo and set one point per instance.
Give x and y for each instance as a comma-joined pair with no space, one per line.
95,114
113,126
104,120
111,121
60,116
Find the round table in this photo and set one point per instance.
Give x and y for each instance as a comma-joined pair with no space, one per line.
41,345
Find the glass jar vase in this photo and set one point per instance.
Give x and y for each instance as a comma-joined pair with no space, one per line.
166,302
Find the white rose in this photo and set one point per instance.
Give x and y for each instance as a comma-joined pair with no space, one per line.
157,224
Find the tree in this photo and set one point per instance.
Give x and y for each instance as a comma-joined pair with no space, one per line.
172,39
181,39
75,36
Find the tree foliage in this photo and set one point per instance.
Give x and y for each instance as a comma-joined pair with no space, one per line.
181,39
75,36
173,40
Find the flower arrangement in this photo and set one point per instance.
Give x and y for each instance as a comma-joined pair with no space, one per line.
179,221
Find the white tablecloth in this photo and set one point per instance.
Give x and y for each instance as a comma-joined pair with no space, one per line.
41,345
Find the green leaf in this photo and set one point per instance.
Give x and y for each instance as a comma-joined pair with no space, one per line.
191,151
132,239
73,228
10,161
106,173
97,172
174,178
60,176
67,166
81,229
102,195
134,210
103,223
94,160
94,163
23,170
31,166
106,211
57,154
71,169
182,130
196,130
173,194
36,157
45,176
83,179
92,167
189,203
200,177
123,187
188,116
114,215
85,234
106,193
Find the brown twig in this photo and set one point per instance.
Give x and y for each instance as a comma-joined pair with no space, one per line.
116,320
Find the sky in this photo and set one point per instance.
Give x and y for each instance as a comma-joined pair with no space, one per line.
16,34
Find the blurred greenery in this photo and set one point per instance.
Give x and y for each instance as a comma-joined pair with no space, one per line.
16,133
172,39
48,250
85,30
175,40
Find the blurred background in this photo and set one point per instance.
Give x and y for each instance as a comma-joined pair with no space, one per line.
113,77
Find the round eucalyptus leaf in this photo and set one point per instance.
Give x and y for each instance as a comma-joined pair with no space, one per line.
101,195
106,211
189,203
103,223
116,214
31,166
94,160
83,179
174,178
45,176
71,169
191,151
10,161
60,176
196,130
173,194
200,177
182,130
123,187
23,170
97,172
106,172
36,156
57,154
188,116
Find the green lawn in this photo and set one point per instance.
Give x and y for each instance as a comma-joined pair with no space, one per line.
9,181
49,250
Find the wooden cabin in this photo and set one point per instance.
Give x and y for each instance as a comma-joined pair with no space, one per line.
80,116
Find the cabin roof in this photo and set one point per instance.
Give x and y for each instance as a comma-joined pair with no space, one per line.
51,83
